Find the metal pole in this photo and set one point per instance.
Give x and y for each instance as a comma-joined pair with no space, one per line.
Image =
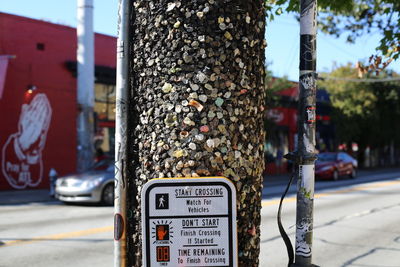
306,153
120,203
85,91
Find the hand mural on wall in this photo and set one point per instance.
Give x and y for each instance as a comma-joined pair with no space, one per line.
22,163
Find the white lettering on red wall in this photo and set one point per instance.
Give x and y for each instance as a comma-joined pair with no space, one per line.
22,163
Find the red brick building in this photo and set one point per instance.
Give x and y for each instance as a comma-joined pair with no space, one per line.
38,104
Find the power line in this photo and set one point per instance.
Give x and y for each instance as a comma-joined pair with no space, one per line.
341,49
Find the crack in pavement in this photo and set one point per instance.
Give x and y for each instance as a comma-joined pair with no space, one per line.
352,261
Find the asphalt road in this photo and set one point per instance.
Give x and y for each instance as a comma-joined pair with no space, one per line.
54,234
357,223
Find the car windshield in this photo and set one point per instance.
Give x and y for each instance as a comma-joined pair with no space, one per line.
102,165
326,157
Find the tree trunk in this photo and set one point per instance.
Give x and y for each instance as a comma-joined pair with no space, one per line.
196,109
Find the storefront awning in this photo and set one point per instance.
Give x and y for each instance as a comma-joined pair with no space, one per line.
102,74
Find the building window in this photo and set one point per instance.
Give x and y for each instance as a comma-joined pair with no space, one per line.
104,107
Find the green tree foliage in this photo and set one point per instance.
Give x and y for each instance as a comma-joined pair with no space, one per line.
355,18
364,112
366,17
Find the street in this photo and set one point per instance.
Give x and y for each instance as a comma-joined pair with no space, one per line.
356,224
54,234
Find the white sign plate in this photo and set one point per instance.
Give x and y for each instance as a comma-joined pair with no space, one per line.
189,222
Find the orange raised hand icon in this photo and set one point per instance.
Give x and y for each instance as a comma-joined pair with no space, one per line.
161,232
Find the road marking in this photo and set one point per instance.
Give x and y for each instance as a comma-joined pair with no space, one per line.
60,236
105,229
266,203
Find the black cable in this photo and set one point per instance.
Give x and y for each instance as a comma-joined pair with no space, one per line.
284,235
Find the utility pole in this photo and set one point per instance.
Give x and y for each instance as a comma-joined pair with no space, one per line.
121,121
85,91
195,106
306,153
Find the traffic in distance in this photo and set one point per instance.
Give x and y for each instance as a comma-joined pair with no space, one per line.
335,165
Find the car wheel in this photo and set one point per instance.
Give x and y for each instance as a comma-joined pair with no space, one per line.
335,175
353,173
107,197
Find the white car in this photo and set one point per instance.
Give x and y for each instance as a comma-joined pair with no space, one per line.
94,186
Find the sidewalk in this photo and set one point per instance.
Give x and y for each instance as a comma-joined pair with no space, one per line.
42,195
24,196
272,178
15,197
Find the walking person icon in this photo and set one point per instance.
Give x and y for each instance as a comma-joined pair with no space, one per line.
162,201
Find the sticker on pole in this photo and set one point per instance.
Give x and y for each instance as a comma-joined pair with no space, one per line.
189,222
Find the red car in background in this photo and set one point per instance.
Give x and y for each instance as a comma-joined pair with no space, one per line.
333,165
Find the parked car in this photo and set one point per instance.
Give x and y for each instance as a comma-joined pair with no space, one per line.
333,165
93,186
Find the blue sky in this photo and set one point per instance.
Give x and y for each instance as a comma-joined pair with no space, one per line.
282,34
